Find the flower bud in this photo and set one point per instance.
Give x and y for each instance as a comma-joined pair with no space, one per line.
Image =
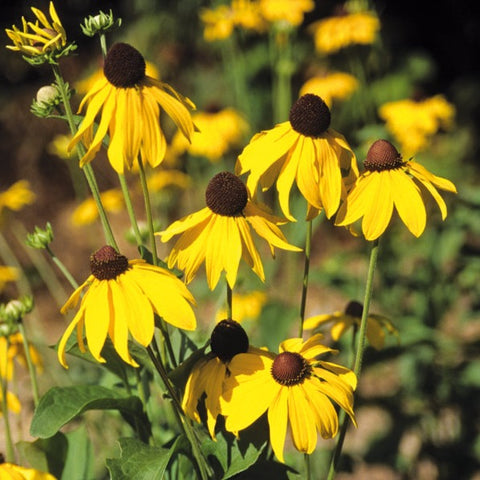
102,22
40,238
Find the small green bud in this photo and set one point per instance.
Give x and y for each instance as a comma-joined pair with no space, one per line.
47,99
40,238
103,22
13,312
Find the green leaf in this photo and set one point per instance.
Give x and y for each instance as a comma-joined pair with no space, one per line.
61,404
139,461
79,461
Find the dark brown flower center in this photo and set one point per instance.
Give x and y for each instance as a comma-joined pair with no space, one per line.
226,195
124,66
382,155
354,309
290,368
106,263
228,338
310,115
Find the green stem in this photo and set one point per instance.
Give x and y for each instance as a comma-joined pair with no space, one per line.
229,301
308,470
62,268
31,367
343,418
87,169
148,211
9,454
130,210
103,44
180,415
308,247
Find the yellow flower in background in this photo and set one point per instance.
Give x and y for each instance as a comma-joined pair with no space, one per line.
129,104
220,234
13,405
87,212
40,37
120,298
413,123
166,178
340,322
334,33
218,131
295,389
17,196
245,306
221,21
331,86
12,349
289,11
84,85
59,146
304,150
7,274
389,182
10,471
208,374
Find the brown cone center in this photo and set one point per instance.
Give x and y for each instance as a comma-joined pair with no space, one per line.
226,195
310,116
381,156
106,263
354,309
228,339
290,368
124,66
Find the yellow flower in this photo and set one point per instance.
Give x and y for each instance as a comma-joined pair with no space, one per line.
246,306
84,85
289,11
220,234
13,405
331,86
87,211
59,146
40,37
218,132
413,123
7,274
334,33
10,471
17,196
294,388
164,178
388,181
121,297
305,150
221,21
210,371
128,102
12,349
342,321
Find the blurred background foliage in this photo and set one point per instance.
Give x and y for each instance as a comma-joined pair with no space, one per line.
418,404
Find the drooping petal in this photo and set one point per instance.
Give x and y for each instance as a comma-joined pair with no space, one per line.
303,429
277,422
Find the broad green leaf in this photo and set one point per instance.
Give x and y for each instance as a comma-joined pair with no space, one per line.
79,461
61,404
139,461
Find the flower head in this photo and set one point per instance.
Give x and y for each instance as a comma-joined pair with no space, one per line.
413,123
120,298
87,212
294,388
12,349
16,196
40,41
288,11
219,130
10,471
303,149
377,325
389,182
209,373
220,234
334,33
128,103
331,86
